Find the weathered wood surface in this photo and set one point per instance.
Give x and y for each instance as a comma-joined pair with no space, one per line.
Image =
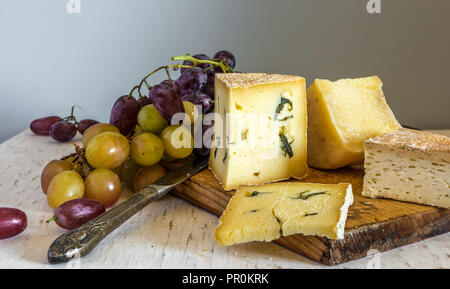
372,224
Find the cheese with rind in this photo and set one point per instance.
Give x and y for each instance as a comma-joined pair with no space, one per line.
408,165
259,130
341,116
264,213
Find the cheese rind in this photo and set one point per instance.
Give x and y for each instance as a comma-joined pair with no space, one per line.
264,213
341,116
259,130
408,165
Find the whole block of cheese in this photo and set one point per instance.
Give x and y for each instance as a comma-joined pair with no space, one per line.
259,130
341,116
264,213
408,165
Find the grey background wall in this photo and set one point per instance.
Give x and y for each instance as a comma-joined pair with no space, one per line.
50,60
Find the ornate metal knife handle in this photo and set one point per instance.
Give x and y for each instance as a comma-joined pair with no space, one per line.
79,242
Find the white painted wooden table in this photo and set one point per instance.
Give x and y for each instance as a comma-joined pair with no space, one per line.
169,233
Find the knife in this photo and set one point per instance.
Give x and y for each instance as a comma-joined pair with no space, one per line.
79,242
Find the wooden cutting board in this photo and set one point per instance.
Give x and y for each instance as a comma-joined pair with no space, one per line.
371,224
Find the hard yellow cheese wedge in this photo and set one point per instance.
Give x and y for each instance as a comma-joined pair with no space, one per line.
264,213
341,116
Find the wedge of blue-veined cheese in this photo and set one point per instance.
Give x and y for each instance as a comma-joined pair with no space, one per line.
260,129
264,213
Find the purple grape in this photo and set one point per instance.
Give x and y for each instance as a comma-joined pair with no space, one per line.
124,114
74,213
84,124
200,56
208,88
143,101
41,126
63,131
12,222
166,101
204,150
224,54
191,80
199,98
171,84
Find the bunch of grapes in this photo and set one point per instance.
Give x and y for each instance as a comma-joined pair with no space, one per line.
136,148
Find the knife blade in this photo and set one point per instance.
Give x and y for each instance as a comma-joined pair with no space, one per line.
79,242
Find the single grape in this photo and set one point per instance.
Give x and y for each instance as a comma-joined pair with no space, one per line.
41,126
74,213
53,168
191,80
224,54
178,141
107,150
143,101
84,124
151,120
12,222
129,171
166,101
171,84
191,111
65,186
199,98
63,131
103,185
124,114
96,129
147,176
208,88
200,56
147,149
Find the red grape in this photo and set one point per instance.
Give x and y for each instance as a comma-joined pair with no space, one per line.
77,212
63,131
84,124
124,114
208,88
166,101
223,54
200,56
199,98
191,80
41,126
143,101
12,222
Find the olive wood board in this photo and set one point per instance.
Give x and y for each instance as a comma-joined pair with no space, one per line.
372,224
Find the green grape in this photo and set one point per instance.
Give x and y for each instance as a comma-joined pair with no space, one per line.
97,129
191,111
129,171
107,150
103,185
151,120
178,141
65,186
147,176
147,149
52,169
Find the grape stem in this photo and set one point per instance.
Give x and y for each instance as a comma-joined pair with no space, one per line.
219,63
52,219
71,117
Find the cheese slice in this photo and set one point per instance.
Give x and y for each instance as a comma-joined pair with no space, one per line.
259,130
264,213
341,116
408,165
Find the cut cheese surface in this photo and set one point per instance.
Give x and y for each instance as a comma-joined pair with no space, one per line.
341,116
264,213
408,165
259,130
